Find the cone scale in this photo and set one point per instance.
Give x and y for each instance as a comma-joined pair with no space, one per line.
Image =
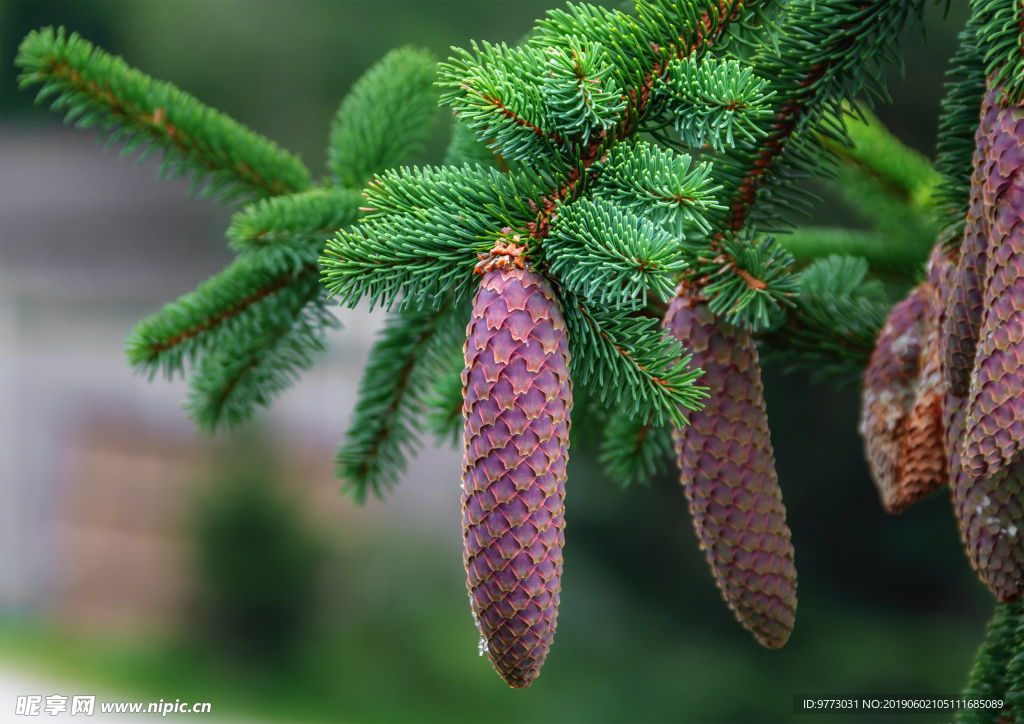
728,473
518,397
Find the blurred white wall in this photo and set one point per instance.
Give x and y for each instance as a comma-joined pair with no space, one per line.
90,243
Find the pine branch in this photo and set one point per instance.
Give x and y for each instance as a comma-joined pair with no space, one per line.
961,107
833,328
1001,34
715,100
466,147
658,184
424,232
385,119
609,255
634,450
839,54
746,280
243,299
260,359
287,234
497,91
226,159
883,254
411,351
579,92
616,355
444,404
988,679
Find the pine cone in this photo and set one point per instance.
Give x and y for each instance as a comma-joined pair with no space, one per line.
966,306
995,420
728,472
517,402
990,511
901,405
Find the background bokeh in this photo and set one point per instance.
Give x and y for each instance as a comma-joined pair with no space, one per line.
147,560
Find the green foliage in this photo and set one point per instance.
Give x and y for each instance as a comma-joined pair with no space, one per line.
746,280
579,92
713,101
410,353
260,355
634,450
609,255
837,56
833,328
628,363
808,243
466,147
225,158
1000,34
287,233
258,564
992,677
423,234
498,92
659,185
385,119
444,404
965,91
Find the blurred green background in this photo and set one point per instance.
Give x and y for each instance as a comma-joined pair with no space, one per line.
319,622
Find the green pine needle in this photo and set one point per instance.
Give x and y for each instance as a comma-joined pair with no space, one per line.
609,255
288,233
834,325
715,102
745,279
660,185
255,360
385,119
626,360
411,351
225,158
634,450
579,91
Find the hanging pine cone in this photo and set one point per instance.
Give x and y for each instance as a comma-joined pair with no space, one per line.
990,512
995,419
901,404
517,402
728,472
966,305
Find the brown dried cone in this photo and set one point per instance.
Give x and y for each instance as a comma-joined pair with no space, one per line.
966,304
728,472
517,402
995,418
901,404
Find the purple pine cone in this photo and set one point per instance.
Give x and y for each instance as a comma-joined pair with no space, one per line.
728,472
990,512
995,419
966,306
517,402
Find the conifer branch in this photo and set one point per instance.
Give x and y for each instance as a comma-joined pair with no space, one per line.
386,119
240,297
412,349
226,159
287,233
614,352
252,364
832,330
634,449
